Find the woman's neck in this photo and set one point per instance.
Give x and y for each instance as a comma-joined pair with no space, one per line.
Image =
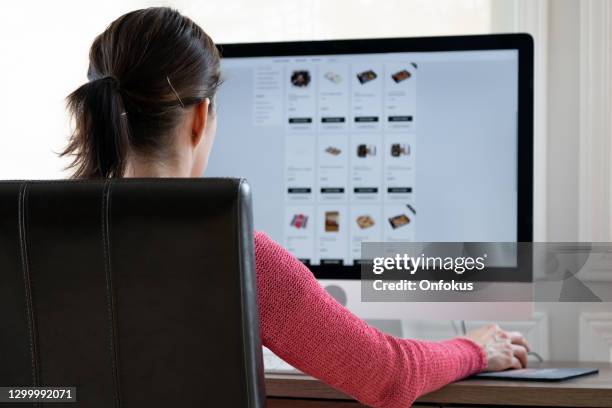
139,168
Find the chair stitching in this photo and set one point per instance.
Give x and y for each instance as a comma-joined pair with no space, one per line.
109,290
21,204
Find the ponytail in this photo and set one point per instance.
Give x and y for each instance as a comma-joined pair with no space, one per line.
101,131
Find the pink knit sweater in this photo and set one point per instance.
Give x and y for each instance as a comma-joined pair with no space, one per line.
306,327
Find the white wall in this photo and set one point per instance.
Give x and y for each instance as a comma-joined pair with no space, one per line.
565,82
563,119
43,49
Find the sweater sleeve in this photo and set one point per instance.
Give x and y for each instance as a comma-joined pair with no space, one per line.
306,327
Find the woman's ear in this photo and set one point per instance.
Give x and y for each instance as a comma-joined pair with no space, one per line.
200,118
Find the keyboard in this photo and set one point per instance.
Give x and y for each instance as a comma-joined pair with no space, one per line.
273,364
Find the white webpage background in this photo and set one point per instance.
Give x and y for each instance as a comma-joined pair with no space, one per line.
465,128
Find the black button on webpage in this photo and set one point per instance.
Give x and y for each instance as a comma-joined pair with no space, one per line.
299,190
392,190
332,262
333,120
400,118
369,190
366,119
299,121
332,190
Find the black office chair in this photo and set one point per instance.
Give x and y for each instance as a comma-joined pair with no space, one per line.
139,292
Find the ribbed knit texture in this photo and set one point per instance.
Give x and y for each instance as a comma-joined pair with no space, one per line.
309,329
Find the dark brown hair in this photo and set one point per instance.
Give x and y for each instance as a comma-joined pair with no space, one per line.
144,70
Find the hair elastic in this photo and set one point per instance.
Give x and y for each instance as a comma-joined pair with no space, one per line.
174,90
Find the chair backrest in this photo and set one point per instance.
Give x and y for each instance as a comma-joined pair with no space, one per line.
139,292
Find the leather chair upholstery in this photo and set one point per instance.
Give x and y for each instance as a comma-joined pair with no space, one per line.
139,292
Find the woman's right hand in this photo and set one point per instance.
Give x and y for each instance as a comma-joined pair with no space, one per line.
504,349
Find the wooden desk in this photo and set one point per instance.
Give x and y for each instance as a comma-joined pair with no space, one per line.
300,391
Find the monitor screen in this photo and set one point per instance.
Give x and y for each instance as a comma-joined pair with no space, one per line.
342,148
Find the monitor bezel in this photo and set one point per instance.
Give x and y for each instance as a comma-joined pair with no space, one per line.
521,42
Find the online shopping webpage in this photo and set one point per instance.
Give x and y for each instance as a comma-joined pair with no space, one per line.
341,149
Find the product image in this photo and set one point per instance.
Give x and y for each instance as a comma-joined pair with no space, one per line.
333,77
364,150
334,151
299,221
399,221
300,79
398,150
401,76
332,221
365,221
366,76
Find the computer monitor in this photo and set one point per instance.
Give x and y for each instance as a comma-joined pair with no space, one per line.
403,139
